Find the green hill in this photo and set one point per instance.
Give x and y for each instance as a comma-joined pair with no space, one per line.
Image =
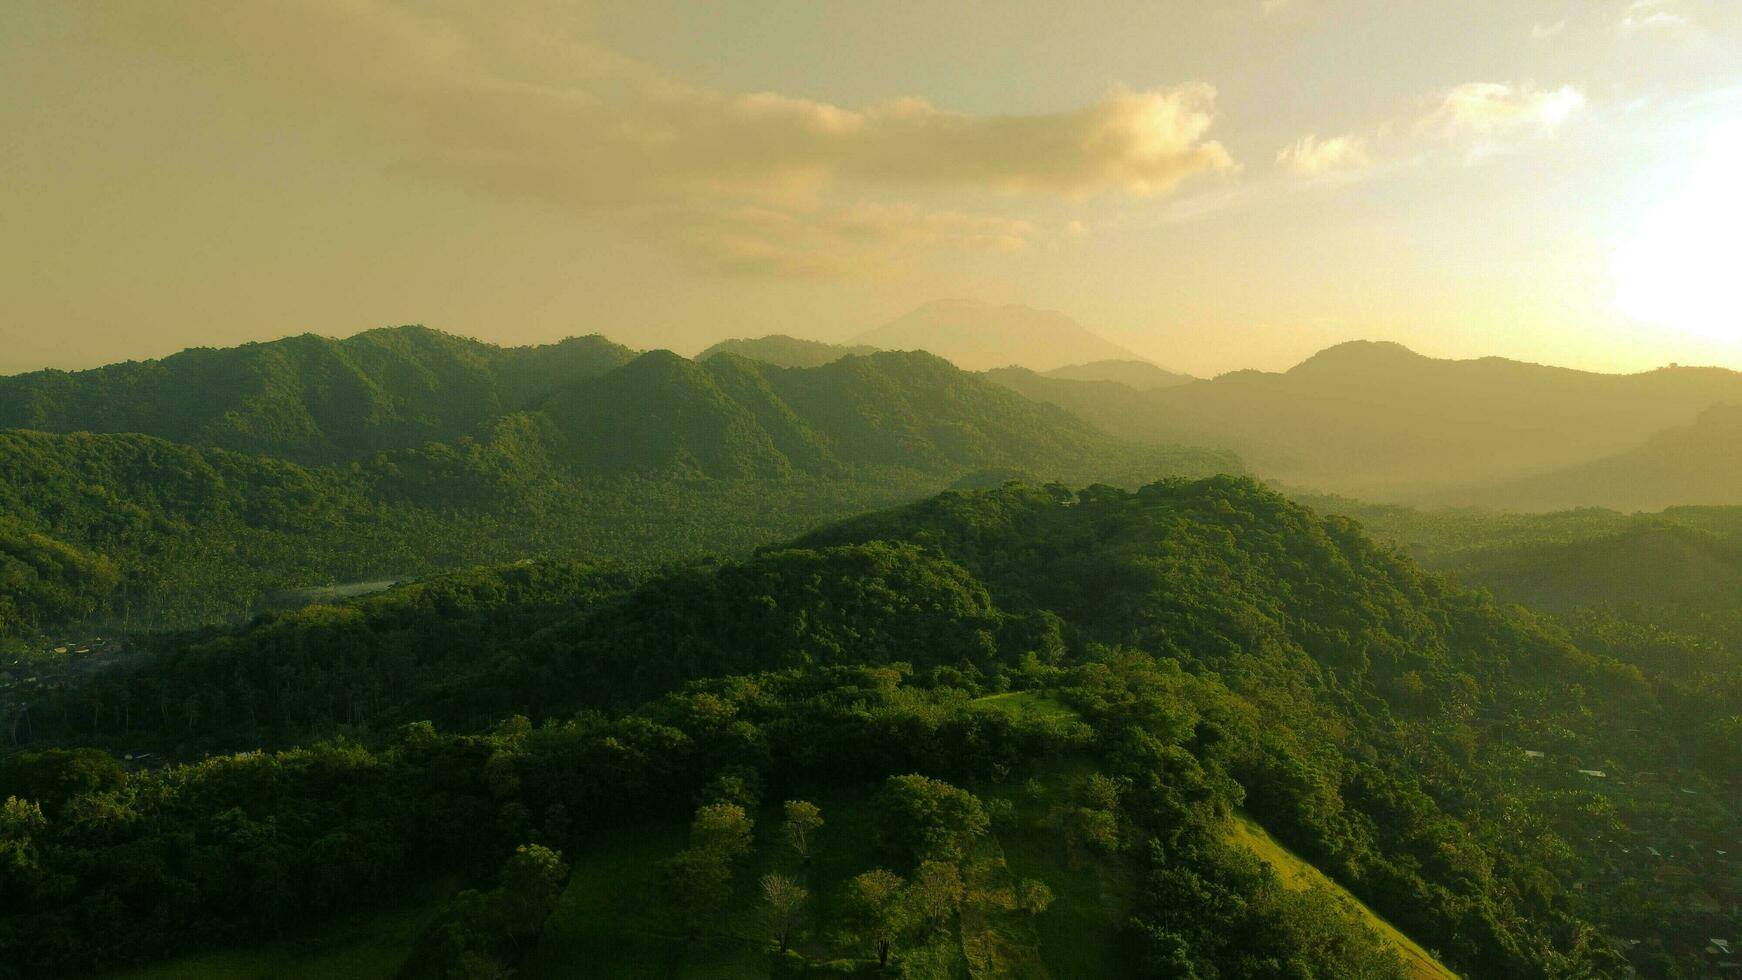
1298,875
1079,688
729,416
308,398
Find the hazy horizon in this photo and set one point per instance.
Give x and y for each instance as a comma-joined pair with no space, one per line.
695,351
1213,188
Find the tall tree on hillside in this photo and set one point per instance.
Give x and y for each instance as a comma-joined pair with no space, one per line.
875,900
803,820
937,892
723,829
786,900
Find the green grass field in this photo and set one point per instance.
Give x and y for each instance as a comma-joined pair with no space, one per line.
1299,875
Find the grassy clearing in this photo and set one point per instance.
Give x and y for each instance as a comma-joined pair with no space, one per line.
1299,875
1033,703
368,949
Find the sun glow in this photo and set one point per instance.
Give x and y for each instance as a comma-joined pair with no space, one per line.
1682,266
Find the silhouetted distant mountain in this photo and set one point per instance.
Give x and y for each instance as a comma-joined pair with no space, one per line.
979,336
1379,421
1693,464
1141,375
783,351
308,398
1116,408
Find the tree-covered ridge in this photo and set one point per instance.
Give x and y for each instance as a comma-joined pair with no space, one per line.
1225,648
729,416
781,350
585,406
308,398
658,458
1655,591
128,532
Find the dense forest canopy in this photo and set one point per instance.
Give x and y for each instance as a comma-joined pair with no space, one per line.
690,663
1123,673
406,451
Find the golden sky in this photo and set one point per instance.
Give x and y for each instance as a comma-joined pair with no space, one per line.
1215,185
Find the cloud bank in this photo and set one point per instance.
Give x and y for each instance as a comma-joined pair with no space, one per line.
750,182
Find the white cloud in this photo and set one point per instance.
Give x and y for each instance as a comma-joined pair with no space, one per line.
1490,109
1654,15
1312,157
1542,32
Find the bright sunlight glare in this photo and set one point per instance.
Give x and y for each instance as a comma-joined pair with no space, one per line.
1682,267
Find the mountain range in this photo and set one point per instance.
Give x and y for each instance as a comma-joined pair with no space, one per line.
229,474
1381,422
309,398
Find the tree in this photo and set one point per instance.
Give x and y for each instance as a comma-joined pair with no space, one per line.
786,899
929,819
1086,828
532,881
697,884
936,892
723,829
803,820
874,899
1033,896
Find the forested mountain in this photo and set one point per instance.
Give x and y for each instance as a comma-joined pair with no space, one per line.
980,336
1141,375
732,416
1694,464
308,398
657,458
1672,575
1078,688
783,351
1377,421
